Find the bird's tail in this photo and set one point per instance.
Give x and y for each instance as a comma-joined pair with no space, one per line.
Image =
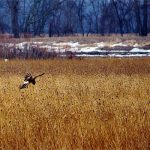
39,75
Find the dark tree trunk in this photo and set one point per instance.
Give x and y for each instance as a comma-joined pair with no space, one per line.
14,7
119,18
144,33
80,15
138,17
141,23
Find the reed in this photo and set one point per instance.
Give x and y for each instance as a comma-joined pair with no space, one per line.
77,104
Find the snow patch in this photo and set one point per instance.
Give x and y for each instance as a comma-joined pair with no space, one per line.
82,50
22,45
138,50
71,44
101,44
119,44
37,43
88,49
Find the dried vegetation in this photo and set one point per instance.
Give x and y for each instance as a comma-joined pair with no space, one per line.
79,104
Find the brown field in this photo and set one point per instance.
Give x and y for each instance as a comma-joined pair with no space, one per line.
129,39
89,104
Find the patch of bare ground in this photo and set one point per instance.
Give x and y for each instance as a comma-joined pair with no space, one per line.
129,39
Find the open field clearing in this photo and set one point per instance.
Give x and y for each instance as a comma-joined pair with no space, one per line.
87,104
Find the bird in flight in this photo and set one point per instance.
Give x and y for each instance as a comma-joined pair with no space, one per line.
29,79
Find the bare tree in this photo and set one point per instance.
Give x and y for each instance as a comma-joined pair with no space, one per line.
69,17
39,13
89,20
80,12
96,13
2,26
141,16
120,20
138,16
145,18
14,11
63,17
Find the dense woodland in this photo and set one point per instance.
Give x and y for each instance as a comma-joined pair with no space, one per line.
71,17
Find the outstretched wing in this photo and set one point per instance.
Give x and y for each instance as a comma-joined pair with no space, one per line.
39,75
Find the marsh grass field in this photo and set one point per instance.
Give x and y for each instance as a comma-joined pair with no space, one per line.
88,104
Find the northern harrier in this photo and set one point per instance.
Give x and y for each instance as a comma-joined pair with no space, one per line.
29,79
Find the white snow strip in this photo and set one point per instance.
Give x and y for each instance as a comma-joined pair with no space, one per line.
101,44
130,55
71,44
115,55
88,49
37,43
87,55
118,44
46,46
139,50
21,45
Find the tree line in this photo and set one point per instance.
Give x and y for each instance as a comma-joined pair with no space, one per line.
71,17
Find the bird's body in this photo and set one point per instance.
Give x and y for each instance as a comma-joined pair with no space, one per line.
29,79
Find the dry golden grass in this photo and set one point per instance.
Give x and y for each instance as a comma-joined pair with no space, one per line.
99,104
